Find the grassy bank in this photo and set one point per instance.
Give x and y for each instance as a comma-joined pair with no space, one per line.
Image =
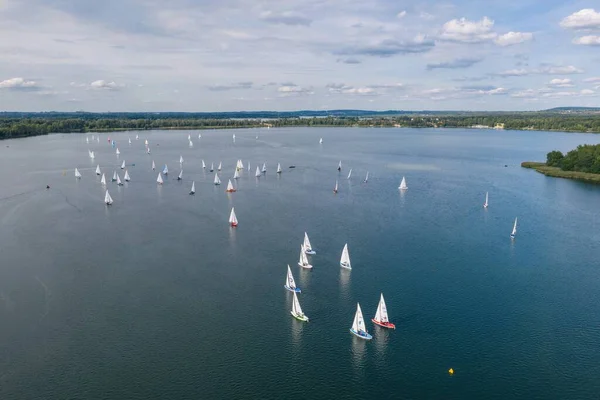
559,173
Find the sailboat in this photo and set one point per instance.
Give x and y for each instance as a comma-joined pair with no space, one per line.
514,231
257,174
349,174
114,178
485,205
180,159
117,152
98,139
203,165
127,177
217,180
148,150
123,165
335,189
236,174
153,166
189,137
303,262
190,144
339,168
297,310
307,247
146,142
119,181
381,316
290,284
403,184
367,177
98,172
103,180
264,168
180,175
234,137
212,167
230,187
345,259
129,140
199,136
278,168
232,218
107,199
137,137
87,140
77,174
321,141
248,166
91,153
165,170
193,190
241,164
358,326
220,166
159,179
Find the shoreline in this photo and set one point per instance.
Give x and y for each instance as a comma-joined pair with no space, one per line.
556,172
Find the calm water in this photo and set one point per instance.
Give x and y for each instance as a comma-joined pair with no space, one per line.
156,297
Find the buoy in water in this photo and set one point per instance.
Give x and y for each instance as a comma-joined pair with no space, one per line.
451,371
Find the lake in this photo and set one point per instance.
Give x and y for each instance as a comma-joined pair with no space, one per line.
156,297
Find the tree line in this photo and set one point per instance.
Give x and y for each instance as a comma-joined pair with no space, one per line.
585,158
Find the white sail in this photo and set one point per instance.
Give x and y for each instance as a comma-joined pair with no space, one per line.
190,144
232,218
92,156
320,140
137,137
129,140
180,159
381,315
119,181
77,174
345,259
234,137
230,187
264,168
212,167
199,136
193,188
159,179
514,230
217,180
123,165
98,172
278,168
296,309
153,166
127,177
189,137
148,150
117,152
103,180
98,139
403,184
236,174
165,170
486,200
349,173
367,177
358,325
289,281
307,247
220,166
114,178
180,176
146,142
303,261
107,199
203,164
335,189
339,166
241,165
257,174
87,140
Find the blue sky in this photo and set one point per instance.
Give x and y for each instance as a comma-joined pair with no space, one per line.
225,55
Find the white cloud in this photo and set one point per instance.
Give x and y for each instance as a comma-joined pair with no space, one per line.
592,80
561,82
285,18
18,84
584,92
463,30
590,40
401,14
515,72
528,94
587,92
586,18
293,90
512,38
102,84
547,70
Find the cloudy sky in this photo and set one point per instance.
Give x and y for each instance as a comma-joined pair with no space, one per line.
225,55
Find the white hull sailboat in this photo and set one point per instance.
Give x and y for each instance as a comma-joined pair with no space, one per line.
264,168
127,177
103,180
367,177
345,259
212,167
381,316
114,178
290,284
349,174
233,218
403,184
119,182
297,310
303,262
257,174
321,141
137,137
307,247
339,168
203,165
220,166
236,174
278,168
358,325
230,188
193,190
98,172
159,179
217,181
191,144
123,165
107,199
485,205
180,176
335,189
77,174
180,159
153,166
129,140
165,170
118,152
91,153
514,230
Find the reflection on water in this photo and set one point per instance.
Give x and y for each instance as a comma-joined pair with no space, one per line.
402,197
359,347
304,277
344,282
232,233
381,337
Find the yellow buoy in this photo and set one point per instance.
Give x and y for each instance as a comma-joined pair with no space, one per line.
451,371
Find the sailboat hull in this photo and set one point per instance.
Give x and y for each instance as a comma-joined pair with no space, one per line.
302,318
230,190
307,266
310,252
361,335
233,224
344,265
192,193
388,325
297,290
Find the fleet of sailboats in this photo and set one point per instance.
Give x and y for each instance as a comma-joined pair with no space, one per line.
345,259
290,284
358,325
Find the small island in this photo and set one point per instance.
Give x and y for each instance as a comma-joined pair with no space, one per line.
582,164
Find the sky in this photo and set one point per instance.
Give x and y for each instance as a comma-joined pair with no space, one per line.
231,55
